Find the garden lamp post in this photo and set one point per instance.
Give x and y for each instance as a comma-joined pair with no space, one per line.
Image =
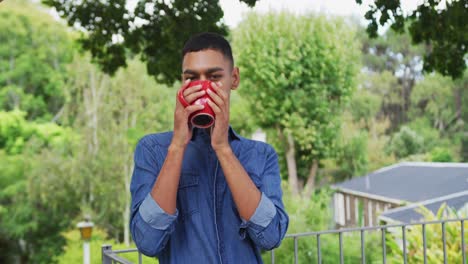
86,228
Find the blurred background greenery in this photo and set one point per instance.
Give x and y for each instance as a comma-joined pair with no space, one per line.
335,103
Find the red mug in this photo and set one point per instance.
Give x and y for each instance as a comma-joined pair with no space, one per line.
203,118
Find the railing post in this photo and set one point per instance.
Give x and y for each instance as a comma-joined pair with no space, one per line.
363,253
384,247
341,248
424,243
295,250
110,256
463,241
444,242
403,230
104,250
319,250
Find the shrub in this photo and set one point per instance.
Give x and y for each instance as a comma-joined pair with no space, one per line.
439,154
434,251
405,143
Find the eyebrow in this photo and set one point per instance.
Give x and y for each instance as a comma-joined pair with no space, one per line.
210,70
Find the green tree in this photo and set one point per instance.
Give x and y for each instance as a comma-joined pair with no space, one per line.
126,106
297,73
30,225
54,179
351,156
113,27
364,107
439,24
392,66
34,52
434,97
151,28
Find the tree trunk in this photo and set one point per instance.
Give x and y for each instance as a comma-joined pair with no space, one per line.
126,212
128,168
292,167
92,95
310,185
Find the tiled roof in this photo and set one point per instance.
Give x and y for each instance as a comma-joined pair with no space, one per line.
412,181
408,214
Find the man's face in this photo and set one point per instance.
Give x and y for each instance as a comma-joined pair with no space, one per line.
210,65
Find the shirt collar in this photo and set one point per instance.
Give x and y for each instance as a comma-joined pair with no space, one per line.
202,133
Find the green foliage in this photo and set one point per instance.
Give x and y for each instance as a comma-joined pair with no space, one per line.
433,237
126,106
30,224
441,155
464,148
297,72
16,131
434,98
392,67
431,135
352,157
405,143
142,30
388,88
364,106
240,116
391,52
314,214
439,24
73,251
297,76
34,52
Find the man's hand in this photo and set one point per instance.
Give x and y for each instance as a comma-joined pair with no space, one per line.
219,102
182,127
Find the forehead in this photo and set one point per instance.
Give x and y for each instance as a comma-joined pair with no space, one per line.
204,59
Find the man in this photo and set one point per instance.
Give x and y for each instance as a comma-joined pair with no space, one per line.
206,195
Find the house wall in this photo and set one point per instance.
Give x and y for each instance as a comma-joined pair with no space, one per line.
353,210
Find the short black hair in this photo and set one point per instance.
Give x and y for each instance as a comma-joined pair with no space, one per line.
208,40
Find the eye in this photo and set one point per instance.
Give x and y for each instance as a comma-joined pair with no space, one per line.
216,76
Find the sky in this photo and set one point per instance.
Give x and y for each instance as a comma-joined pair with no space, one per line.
234,9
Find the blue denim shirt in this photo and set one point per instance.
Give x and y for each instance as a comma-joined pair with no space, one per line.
206,227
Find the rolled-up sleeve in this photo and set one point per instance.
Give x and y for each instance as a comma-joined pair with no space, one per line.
154,215
269,223
149,224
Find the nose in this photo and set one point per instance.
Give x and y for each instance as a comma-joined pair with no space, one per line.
203,77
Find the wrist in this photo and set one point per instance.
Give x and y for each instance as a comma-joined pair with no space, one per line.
223,150
176,147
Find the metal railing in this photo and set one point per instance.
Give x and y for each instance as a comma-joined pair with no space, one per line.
110,257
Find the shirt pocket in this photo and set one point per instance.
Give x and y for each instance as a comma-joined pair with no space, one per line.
188,194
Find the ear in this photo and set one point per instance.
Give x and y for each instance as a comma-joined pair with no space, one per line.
235,78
